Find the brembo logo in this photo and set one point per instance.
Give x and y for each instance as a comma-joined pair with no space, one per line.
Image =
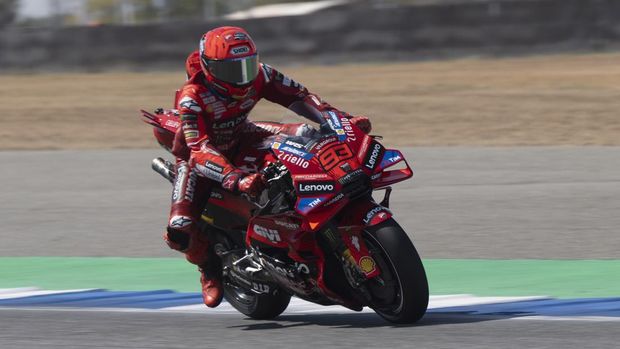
315,187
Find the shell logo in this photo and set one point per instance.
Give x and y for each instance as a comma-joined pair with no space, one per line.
367,264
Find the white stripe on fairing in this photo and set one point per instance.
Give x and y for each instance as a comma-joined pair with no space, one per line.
10,293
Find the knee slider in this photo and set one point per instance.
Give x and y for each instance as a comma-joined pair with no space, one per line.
178,239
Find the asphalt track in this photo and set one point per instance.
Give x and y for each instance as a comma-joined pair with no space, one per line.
26,329
464,203
497,203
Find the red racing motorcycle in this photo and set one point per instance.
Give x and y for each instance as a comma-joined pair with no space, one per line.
316,232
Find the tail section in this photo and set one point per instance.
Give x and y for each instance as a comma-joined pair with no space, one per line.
165,124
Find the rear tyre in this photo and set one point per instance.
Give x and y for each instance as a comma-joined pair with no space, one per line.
256,306
400,293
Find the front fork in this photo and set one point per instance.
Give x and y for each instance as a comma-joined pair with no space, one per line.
347,244
345,238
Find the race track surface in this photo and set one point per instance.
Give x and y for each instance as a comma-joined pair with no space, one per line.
87,329
498,203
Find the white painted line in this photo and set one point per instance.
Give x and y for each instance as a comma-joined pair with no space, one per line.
298,306
11,293
463,300
568,318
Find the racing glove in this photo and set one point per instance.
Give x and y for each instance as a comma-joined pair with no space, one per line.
251,184
362,122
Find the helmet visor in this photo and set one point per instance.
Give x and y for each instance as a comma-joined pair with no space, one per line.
238,71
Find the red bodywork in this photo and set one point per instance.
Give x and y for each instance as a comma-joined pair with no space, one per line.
320,171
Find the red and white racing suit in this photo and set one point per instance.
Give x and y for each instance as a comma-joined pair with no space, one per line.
214,130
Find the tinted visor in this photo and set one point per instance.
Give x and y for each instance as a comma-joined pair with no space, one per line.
238,71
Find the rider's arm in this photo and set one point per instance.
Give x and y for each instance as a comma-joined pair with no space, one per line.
191,113
206,158
290,94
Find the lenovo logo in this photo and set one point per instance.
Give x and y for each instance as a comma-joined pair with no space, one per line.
373,156
315,187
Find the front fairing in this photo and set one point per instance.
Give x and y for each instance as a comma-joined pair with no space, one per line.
329,171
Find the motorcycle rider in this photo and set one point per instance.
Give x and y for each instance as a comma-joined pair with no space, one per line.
225,81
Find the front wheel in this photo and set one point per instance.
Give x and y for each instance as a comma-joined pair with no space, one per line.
400,292
256,306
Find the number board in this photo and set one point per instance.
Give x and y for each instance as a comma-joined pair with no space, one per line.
332,156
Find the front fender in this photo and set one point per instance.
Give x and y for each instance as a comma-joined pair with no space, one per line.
363,213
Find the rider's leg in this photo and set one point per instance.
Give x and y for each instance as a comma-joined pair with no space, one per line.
182,233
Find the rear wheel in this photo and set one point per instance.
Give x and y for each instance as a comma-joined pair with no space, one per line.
400,292
254,305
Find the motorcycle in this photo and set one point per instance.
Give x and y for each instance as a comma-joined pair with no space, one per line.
316,231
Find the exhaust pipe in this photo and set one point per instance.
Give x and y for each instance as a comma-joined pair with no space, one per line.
164,168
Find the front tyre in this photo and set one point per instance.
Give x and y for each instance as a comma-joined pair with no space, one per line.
256,306
400,292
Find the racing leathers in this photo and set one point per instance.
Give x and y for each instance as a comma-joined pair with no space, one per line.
214,129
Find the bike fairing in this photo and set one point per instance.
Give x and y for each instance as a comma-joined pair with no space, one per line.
296,231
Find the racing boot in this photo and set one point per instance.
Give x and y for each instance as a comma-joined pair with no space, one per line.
212,292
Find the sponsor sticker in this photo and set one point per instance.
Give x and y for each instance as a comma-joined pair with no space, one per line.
295,160
307,204
178,183
390,157
293,144
247,103
346,124
229,123
239,50
269,234
334,199
311,176
172,123
211,170
367,264
373,155
292,150
323,143
334,123
318,187
350,177
375,210
191,186
189,117
190,134
287,225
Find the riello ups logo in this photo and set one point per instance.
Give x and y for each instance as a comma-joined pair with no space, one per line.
315,187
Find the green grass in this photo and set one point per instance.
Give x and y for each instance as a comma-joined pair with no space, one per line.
558,278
